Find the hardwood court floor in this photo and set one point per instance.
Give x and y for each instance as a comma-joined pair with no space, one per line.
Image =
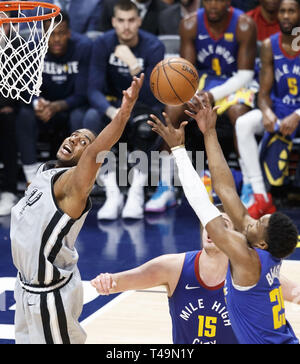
134,317
142,317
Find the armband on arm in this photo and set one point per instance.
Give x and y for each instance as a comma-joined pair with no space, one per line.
233,84
194,188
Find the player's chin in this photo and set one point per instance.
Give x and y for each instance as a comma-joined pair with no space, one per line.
65,160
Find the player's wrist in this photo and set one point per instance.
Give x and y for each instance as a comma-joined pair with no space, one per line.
173,149
297,112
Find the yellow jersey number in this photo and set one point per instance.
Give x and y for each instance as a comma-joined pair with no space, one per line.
216,66
293,86
278,318
207,326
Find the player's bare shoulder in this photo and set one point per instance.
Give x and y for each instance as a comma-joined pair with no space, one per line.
246,26
266,53
189,23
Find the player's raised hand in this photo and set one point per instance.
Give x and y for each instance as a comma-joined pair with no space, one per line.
131,95
173,137
202,111
104,284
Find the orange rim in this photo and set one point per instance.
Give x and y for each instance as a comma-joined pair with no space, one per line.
27,5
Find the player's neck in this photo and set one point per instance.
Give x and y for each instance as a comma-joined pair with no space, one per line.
219,27
213,267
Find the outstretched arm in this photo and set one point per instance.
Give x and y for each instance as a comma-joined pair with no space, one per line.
164,270
222,178
74,186
233,244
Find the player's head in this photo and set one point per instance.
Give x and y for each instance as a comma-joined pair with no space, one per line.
126,21
289,15
216,10
275,233
73,147
207,243
58,41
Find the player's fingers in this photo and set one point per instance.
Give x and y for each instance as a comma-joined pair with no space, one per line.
157,122
168,121
191,105
99,284
157,131
190,114
93,282
205,100
183,125
216,108
106,282
141,79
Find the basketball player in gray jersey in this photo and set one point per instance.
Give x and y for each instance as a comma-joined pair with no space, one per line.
44,227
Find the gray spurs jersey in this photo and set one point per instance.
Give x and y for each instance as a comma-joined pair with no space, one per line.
42,235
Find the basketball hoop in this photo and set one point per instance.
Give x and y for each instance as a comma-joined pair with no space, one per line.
23,46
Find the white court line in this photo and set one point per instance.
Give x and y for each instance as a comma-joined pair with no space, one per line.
7,332
107,307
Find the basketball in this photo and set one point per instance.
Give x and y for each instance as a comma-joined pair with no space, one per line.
174,81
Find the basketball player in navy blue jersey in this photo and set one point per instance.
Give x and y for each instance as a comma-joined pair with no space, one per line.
255,250
221,42
279,106
195,291
195,286
44,228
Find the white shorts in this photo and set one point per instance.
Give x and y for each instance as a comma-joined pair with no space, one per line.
45,316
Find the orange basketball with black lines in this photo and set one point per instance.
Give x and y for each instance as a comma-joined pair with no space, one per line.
174,81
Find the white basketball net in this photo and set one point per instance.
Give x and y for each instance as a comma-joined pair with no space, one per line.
23,47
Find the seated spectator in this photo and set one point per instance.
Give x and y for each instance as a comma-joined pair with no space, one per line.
266,19
169,19
221,42
118,55
277,117
63,100
8,154
149,12
8,143
84,17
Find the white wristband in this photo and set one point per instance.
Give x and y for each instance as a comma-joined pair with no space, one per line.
194,188
297,112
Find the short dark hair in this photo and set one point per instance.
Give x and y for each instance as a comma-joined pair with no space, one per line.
125,5
63,17
282,235
297,1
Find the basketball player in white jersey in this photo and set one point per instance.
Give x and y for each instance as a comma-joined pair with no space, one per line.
44,227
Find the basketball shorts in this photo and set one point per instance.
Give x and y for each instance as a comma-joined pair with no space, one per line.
45,316
245,96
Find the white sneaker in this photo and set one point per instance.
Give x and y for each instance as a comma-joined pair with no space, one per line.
7,202
112,207
163,198
134,207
